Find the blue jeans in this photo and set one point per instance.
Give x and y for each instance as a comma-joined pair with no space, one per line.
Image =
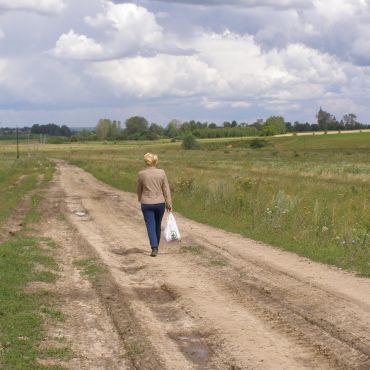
153,214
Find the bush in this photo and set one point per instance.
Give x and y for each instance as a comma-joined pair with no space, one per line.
257,143
190,142
57,140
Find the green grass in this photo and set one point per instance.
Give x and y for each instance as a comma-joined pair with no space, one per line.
62,353
21,323
192,249
22,262
19,177
306,194
90,267
218,263
134,349
53,314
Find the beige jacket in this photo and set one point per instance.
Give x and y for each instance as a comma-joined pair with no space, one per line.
152,187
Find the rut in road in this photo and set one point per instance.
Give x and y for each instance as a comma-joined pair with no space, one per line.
218,300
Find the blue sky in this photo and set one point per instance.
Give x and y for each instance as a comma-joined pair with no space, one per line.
75,61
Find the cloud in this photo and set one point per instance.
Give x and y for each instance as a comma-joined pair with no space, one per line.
75,46
245,3
130,28
38,6
125,30
226,70
158,76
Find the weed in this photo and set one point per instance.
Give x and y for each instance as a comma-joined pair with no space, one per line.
218,263
54,314
63,353
192,249
90,267
134,349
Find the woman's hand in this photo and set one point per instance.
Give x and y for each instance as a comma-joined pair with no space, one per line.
169,209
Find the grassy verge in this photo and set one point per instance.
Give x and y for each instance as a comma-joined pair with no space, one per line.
17,178
23,310
309,195
21,320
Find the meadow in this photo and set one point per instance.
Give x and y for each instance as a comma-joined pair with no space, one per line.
306,194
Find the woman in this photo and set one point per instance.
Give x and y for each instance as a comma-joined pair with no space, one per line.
154,194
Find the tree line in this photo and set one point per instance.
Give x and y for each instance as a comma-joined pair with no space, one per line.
138,128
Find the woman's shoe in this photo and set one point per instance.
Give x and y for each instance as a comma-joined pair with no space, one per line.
154,252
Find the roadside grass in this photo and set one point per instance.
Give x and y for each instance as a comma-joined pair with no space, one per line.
23,262
306,194
17,178
21,322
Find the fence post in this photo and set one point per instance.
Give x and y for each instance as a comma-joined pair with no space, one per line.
17,143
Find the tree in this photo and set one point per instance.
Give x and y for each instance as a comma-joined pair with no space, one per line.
173,128
350,122
103,128
156,129
136,126
65,131
275,125
51,129
326,121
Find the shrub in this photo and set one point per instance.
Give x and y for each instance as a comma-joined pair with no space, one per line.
257,143
190,142
57,140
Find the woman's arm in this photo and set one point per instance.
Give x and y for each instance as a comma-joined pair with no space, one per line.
167,193
139,188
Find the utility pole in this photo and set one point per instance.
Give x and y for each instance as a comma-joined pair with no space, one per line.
17,143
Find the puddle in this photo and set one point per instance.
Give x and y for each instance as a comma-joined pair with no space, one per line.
194,348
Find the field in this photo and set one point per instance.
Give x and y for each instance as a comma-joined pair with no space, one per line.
202,299
309,195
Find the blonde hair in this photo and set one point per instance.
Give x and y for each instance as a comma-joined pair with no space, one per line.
150,159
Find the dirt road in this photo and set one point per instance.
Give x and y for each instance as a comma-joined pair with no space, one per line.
215,300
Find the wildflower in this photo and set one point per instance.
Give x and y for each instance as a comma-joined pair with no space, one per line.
344,242
324,229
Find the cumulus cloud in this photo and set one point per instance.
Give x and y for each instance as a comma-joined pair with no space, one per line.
228,70
126,29
161,75
75,46
38,6
245,3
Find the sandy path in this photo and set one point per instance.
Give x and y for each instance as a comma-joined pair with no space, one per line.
235,303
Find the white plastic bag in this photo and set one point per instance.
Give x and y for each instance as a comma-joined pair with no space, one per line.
171,231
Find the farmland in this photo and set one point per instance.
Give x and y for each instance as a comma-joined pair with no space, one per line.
310,195
202,300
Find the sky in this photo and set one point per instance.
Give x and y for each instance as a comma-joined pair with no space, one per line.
75,61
